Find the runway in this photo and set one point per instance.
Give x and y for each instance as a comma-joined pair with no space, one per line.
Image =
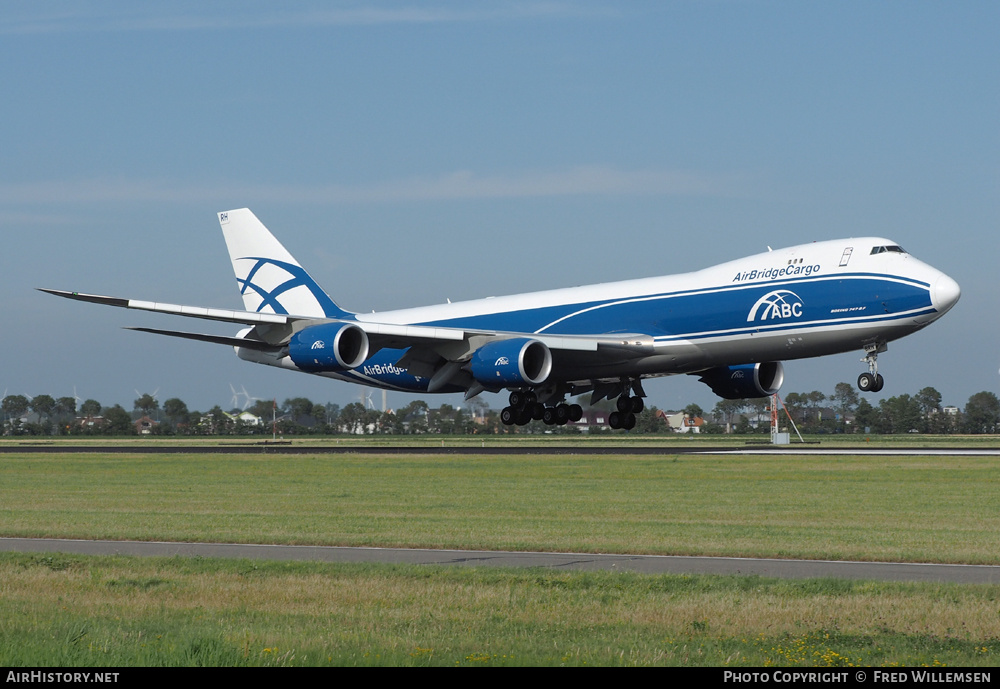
287,448
646,564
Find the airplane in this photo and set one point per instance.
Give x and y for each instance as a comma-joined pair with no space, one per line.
731,324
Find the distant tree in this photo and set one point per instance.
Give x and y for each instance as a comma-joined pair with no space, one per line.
728,411
694,411
743,426
119,421
264,409
147,404
14,407
299,408
65,406
43,405
370,421
816,398
865,416
982,413
414,415
90,408
795,405
217,422
176,411
845,398
352,418
647,421
929,400
899,414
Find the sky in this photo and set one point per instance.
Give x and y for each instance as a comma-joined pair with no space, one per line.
412,152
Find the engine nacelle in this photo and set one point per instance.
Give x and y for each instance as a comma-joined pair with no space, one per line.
329,347
745,381
520,361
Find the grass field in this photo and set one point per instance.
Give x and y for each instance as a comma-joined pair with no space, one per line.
74,610
913,508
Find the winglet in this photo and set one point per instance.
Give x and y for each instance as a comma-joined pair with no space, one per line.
270,280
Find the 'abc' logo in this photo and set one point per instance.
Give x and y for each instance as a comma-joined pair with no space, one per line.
775,305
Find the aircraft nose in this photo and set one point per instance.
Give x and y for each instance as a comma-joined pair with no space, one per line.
945,293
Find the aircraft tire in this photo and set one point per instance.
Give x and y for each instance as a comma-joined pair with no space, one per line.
629,422
637,405
615,420
879,383
575,412
624,404
866,382
507,416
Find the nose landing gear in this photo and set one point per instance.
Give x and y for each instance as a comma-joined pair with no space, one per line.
872,381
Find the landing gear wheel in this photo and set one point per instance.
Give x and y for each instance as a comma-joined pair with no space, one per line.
624,404
562,414
866,382
507,416
575,412
637,405
629,423
537,411
615,420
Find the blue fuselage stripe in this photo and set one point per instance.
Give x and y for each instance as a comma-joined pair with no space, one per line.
776,305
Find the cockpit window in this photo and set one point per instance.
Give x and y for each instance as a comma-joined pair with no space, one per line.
886,249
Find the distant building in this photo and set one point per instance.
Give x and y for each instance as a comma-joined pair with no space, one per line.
144,425
680,422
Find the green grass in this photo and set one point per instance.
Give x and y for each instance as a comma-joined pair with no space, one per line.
75,611
928,509
618,439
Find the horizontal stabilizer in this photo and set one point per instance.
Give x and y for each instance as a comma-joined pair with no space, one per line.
217,339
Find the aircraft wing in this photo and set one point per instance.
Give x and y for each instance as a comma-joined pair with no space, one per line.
383,334
226,315
428,348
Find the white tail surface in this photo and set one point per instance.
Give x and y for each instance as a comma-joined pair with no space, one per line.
269,278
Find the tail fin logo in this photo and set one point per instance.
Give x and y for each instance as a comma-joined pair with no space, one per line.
278,283
777,305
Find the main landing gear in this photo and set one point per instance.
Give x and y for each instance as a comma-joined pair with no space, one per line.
628,407
872,381
525,407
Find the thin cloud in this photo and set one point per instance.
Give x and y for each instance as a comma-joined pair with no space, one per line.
460,185
200,17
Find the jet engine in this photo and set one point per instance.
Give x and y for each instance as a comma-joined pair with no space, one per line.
506,363
329,347
745,381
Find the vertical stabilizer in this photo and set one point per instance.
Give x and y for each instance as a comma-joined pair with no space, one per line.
270,280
